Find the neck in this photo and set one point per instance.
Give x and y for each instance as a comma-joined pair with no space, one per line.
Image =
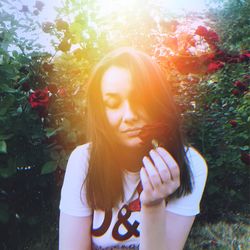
131,159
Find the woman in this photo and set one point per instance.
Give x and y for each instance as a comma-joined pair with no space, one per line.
119,190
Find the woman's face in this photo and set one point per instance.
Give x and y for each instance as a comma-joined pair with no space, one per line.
125,116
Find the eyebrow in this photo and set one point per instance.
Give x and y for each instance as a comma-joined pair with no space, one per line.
111,94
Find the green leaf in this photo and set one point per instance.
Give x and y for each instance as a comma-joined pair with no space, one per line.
5,137
14,53
6,103
1,60
51,131
245,148
24,79
3,147
19,110
49,167
4,88
55,155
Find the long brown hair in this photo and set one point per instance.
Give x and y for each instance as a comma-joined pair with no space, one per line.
104,178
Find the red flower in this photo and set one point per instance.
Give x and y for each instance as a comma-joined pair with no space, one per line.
214,66
189,64
233,123
246,77
210,56
206,107
235,92
156,130
171,42
212,36
236,83
52,88
201,31
244,57
245,157
221,55
247,55
241,85
25,86
39,99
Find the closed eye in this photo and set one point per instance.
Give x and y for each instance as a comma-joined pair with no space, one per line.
112,102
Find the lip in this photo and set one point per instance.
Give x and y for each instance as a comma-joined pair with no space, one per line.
132,132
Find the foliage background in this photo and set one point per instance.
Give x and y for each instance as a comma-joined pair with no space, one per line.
42,103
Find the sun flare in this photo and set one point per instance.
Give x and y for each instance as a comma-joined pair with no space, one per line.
115,6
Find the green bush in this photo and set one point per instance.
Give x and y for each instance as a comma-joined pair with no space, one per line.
219,123
35,129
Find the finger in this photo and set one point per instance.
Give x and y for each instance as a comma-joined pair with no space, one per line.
171,163
160,165
146,184
152,172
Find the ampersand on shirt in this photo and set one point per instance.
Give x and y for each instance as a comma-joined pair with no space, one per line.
123,220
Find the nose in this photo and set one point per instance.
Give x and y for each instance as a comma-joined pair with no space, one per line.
129,113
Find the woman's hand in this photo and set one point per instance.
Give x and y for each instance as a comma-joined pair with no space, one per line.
160,177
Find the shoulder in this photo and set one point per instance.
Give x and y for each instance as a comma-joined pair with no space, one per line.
79,158
81,150
73,196
197,162
189,205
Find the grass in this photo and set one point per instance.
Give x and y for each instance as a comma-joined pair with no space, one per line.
220,235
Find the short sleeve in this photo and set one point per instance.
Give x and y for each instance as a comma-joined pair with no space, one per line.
189,205
73,197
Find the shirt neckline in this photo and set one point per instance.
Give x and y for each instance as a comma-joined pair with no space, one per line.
131,172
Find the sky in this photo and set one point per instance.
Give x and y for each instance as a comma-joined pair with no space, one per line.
176,6
49,13
185,5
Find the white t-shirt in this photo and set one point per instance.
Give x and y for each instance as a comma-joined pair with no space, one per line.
120,227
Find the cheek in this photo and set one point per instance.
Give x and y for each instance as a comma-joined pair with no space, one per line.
145,116
113,118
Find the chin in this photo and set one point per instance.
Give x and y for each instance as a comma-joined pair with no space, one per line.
133,143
